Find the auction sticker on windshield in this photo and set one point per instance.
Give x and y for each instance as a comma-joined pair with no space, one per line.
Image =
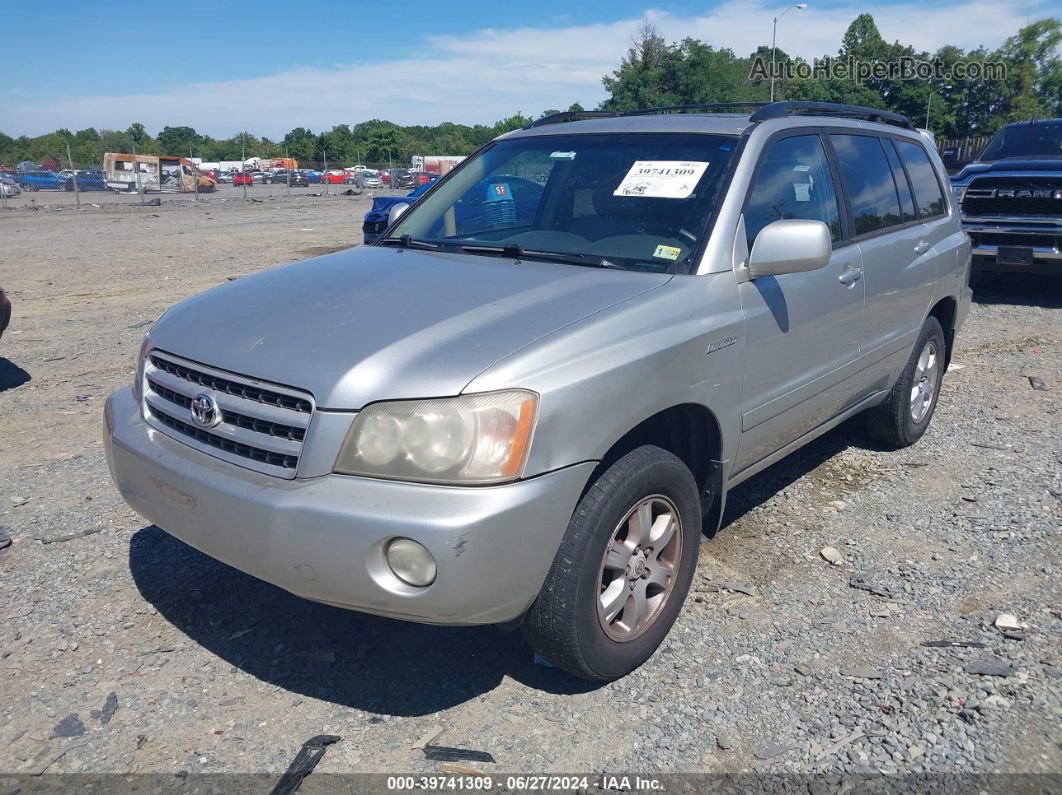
661,179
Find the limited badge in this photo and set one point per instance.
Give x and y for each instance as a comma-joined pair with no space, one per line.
667,252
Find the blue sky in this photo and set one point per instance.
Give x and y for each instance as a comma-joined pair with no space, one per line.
225,66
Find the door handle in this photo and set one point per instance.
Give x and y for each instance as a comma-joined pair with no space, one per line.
921,247
850,276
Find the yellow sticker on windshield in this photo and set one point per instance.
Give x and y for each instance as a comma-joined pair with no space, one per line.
667,252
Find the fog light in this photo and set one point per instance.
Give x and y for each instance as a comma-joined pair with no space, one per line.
411,562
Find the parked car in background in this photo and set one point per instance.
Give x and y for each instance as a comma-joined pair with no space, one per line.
243,179
424,177
8,186
313,176
375,221
369,179
260,176
5,311
338,177
1011,200
225,177
39,180
297,180
401,178
86,180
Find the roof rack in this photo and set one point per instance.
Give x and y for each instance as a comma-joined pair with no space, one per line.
779,110
579,115
763,111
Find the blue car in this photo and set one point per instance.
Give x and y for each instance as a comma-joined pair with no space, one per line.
40,180
499,199
86,180
312,176
375,221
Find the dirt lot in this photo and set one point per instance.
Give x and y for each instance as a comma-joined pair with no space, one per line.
780,662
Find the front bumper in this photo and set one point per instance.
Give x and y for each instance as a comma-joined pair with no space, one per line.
1040,238
323,538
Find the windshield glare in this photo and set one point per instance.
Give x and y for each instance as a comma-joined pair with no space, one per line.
640,200
1025,140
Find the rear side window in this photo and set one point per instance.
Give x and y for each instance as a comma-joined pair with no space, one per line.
868,179
902,186
793,181
923,179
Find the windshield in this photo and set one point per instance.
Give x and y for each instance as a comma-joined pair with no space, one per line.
1025,140
638,201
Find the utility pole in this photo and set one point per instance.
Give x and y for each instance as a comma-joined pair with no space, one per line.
774,37
73,174
243,145
287,169
324,171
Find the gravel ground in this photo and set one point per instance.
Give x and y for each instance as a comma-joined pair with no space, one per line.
781,661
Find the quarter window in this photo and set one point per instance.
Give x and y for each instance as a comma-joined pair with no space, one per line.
793,181
868,179
923,178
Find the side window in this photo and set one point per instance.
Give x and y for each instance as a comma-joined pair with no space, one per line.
923,178
868,179
793,181
906,199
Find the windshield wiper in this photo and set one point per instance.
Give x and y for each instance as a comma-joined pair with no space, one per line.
405,241
519,252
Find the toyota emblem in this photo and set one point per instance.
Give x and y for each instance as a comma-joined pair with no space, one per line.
205,411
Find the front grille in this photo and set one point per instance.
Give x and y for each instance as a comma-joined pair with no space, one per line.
262,427
991,196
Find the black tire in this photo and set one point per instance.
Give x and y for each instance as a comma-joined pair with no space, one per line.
892,423
563,624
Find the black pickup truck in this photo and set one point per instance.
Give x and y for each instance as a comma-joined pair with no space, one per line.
1011,199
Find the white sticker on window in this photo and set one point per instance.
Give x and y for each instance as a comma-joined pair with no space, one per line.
661,179
562,155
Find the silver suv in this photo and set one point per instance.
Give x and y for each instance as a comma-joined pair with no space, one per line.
527,400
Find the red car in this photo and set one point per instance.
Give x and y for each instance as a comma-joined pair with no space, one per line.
242,179
337,178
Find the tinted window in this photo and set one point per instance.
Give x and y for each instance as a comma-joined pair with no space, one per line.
793,181
868,180
906,200
923,178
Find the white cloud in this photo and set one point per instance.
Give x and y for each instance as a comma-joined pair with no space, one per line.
488,74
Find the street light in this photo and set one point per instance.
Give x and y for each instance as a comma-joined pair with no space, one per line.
774,36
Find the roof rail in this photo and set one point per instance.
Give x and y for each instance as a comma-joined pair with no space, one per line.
572,115
578,115
763,112
779,110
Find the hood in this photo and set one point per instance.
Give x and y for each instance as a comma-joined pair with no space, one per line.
374,323
1049,163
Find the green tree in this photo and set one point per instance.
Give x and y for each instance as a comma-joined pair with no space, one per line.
175,140
137,133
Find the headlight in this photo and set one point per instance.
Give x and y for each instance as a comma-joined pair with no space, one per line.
141,357
481,438
958,191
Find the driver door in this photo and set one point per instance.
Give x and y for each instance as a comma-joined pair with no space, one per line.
802,330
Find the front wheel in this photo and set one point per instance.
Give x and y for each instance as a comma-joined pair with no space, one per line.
904,416
623,569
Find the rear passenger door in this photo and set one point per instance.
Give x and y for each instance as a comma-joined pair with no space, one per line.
899,265
802,330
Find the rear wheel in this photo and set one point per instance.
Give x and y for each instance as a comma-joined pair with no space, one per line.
904,416
623,569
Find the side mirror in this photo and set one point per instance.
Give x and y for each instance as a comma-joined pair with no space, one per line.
396,212
790,246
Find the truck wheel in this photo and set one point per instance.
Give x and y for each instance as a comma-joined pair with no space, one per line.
623,569
904,416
